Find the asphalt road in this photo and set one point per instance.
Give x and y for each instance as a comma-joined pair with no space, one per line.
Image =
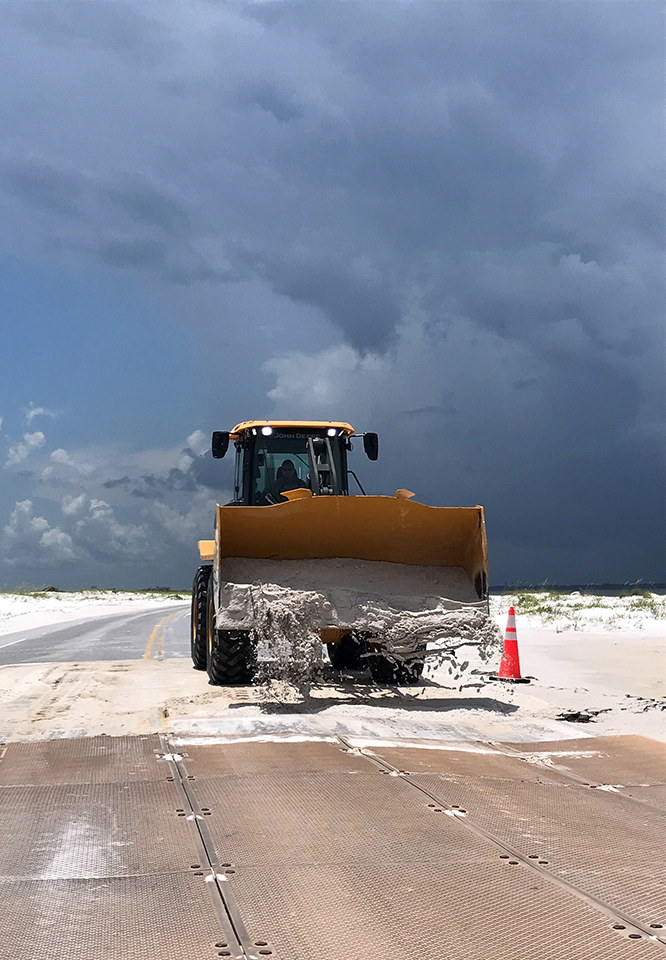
157,635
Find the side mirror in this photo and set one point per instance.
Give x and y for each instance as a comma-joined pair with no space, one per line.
220,443
371,445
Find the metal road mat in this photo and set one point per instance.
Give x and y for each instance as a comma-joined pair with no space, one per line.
250,757
614,760
128,918
92,830
606,844
333,862
85,760
327,817
654,794
310,851
460,759
427,911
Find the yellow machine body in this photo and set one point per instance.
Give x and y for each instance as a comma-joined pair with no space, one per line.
390,529
345,428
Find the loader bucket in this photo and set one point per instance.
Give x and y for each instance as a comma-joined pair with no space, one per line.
363,528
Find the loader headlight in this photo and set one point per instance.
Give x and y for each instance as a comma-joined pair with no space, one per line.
267,431
332,432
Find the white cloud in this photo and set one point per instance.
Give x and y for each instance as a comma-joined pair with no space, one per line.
90,531
189,525
21,450
448,404
197,441
57,543
61,456
28,539
452,369
103,536
184,462
99,469
71,506
33,411
115,505
65,465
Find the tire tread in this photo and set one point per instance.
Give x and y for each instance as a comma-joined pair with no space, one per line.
232,659
198,617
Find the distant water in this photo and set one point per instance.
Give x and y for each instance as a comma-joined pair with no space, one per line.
595,589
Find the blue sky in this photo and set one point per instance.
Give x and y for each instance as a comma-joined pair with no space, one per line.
441,221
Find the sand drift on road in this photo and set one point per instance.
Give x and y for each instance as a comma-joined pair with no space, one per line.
601,666
29,609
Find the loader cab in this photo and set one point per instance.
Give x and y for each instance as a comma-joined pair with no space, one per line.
268,464
273,459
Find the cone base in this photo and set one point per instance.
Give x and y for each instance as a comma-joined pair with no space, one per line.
493,676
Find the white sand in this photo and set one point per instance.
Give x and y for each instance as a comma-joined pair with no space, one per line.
286,603
619,672
576,611
360,577
19,611
631,663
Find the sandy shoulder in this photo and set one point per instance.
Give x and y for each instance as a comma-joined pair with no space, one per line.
144,696
614,677
27,612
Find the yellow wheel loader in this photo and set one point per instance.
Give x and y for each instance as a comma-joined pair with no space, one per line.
373,572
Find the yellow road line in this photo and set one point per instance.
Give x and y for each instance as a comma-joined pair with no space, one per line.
151,640
160,639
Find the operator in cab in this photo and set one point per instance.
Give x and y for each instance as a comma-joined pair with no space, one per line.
286,478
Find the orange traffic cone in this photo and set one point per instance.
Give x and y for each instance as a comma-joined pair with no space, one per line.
510,662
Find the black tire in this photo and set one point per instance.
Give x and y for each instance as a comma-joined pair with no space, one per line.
385,669
198,623
232,656
347,653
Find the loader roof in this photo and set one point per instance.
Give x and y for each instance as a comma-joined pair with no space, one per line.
305,424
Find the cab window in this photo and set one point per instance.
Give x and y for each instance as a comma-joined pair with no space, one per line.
280,463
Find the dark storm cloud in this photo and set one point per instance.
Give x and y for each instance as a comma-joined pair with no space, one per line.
468,196
363,309
267,96
133,253
155,487
149,206
212,474
44,187
202,471
119,482
411,137
116,27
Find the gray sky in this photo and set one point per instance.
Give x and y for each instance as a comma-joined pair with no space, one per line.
442,221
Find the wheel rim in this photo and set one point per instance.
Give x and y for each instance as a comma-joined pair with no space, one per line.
195,617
